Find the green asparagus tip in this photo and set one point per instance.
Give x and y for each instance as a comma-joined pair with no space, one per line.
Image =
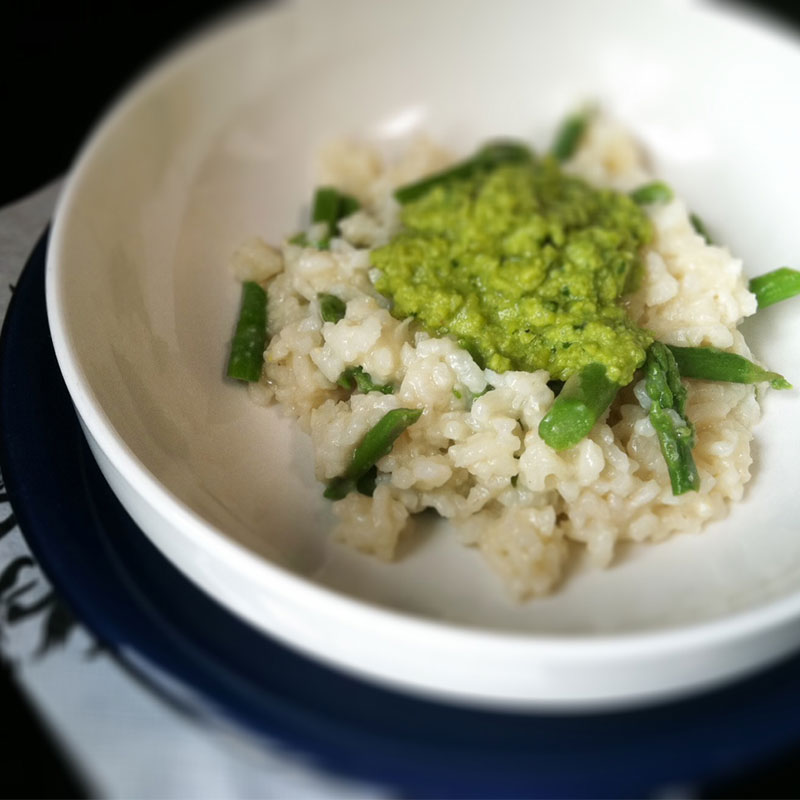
655,192
565,425
778,381
700,228
569,135
712,364
338,488
772,287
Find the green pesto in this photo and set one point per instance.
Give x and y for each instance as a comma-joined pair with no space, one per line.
524,266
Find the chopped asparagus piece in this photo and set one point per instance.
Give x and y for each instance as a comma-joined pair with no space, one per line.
584,397
375,445
247,348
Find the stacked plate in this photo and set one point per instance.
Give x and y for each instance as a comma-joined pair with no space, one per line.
183,522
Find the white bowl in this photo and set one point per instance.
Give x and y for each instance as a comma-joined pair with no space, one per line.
217,144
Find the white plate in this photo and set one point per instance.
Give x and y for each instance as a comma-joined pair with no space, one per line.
217,144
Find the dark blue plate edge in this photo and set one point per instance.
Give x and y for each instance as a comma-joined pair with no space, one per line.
422,778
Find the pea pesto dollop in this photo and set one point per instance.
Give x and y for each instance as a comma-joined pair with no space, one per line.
524,266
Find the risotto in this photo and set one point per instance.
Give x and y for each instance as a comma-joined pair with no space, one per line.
339,358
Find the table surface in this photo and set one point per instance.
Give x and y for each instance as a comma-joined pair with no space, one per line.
115,737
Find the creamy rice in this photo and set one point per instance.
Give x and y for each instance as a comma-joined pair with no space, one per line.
474,457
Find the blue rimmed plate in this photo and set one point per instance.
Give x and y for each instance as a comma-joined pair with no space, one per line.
216,144
160,624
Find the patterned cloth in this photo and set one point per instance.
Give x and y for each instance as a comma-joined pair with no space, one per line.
122,740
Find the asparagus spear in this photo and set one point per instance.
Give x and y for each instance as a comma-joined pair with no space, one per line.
655,192
375,445
772,287
326,205
355,378
491,155
569,135
247,348
347,205
711,364
367,482
668,416
329,206
331,307
585,396
700,227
